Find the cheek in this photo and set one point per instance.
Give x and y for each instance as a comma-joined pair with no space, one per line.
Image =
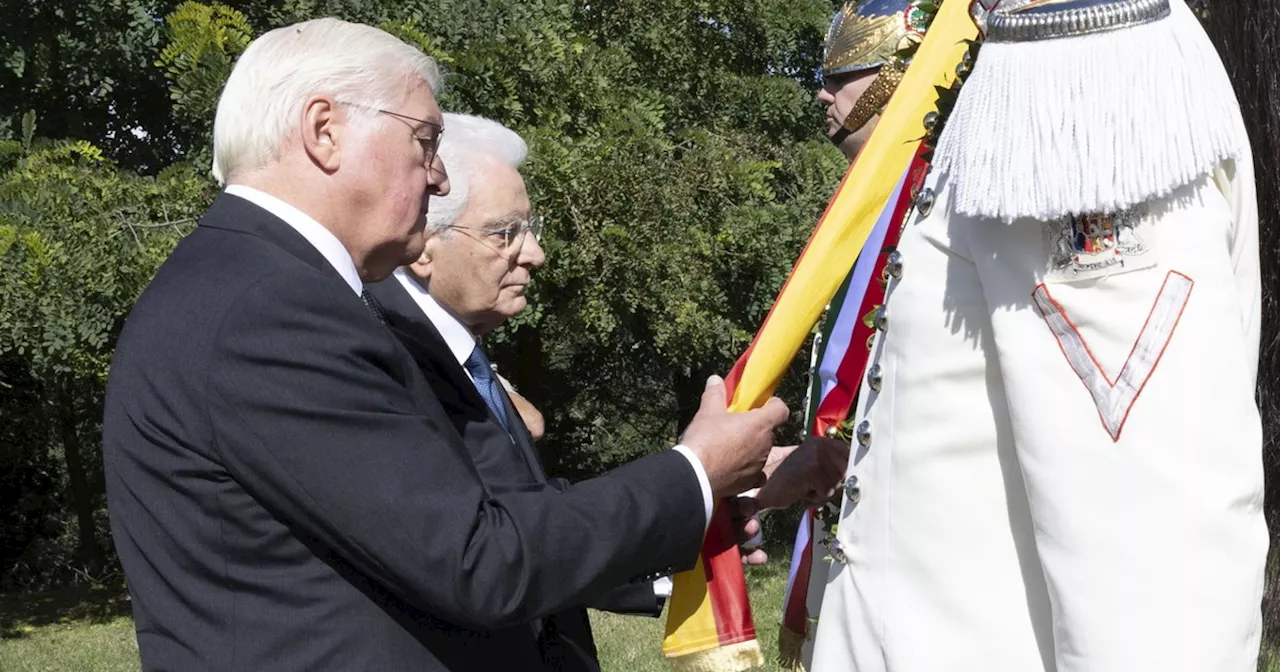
475,281
406,192
399,175
845,102
847,97
497,280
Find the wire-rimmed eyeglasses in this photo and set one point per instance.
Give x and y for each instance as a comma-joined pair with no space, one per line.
507,236
427,133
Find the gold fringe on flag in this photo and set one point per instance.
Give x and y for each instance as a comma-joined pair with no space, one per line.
741,656
790,650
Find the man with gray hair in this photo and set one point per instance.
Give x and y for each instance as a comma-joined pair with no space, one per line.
482,246
286,491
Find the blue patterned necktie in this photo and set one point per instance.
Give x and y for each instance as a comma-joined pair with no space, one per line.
486,384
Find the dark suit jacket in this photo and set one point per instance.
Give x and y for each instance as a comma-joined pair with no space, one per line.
287,493
507,462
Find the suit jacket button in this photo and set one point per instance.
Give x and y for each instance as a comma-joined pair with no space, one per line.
875,378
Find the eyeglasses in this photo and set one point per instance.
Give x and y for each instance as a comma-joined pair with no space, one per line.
507,238
427,133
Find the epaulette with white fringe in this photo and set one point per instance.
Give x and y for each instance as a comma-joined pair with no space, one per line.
1066,114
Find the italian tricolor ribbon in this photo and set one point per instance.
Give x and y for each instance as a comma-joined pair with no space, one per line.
844,346
709,626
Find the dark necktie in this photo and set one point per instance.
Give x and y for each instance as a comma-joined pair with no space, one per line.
372,304
487,384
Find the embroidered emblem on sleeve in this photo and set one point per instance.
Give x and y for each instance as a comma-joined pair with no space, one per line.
1115,399
1083,247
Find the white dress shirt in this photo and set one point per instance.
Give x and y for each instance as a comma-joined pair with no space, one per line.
320,238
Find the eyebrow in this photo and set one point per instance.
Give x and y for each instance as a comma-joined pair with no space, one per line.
508,219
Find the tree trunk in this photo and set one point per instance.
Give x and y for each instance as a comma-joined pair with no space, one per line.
81,497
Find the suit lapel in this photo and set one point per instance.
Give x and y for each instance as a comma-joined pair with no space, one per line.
520,434
407,320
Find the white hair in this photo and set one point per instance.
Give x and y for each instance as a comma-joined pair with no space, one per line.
262,101
469,144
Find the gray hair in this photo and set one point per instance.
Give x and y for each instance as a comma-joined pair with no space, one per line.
260,105
468,144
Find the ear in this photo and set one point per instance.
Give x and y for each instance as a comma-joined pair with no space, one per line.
421,267
324,128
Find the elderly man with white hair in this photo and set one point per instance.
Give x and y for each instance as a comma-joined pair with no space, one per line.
482,246
286,490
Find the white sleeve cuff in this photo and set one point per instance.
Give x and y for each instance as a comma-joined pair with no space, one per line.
707,502
662,587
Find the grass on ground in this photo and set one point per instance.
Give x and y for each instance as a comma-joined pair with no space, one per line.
79,631
67,631
634,644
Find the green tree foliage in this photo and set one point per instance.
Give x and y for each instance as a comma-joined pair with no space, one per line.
203,43
79,239
675,150
85,67
676,155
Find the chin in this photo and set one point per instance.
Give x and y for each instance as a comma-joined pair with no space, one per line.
413,248
514,307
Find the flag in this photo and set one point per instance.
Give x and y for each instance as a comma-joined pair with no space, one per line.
709,626
837,376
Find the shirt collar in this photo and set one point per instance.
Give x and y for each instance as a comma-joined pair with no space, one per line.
455,334
320,238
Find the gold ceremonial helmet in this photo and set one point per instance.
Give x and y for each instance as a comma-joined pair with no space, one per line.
867,34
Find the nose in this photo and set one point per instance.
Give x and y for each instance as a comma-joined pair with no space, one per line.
531,253
825,97
437,178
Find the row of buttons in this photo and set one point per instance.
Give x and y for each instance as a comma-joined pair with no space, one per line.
923,202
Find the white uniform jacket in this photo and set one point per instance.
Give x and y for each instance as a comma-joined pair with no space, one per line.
1059,466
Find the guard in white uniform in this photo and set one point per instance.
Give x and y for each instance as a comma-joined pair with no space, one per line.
1059,452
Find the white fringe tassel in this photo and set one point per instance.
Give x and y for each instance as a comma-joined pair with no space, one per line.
1097,123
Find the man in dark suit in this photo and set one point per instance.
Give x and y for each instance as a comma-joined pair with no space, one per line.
481,279
482,245
286,491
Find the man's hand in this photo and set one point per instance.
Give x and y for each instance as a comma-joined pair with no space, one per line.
812,470
732,447
806,473
529,413
743,511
